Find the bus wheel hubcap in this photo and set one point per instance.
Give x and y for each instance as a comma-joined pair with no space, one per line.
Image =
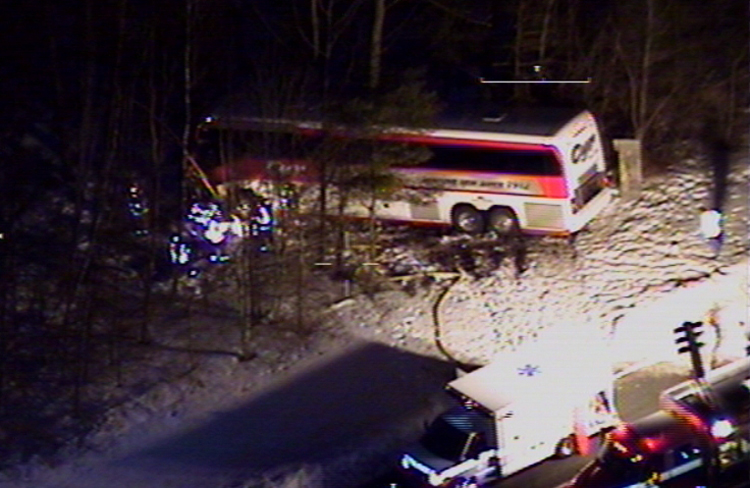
468,222
503,224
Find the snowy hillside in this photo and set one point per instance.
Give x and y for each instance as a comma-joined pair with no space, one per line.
631,255
637,272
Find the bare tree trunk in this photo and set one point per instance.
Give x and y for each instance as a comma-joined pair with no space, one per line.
645,74
251,302
248,297
343,201
315,25
102,189
340,237
517,45
85,148
144,335
84,357
371,229
6,285
300,285
323,208
87,137
545,30
520,90
376,47
188,82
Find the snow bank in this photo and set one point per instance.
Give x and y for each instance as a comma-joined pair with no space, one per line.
630,256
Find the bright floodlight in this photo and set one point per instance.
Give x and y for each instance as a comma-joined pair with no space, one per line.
721,429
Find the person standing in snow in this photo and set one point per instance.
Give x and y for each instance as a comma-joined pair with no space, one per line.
711,230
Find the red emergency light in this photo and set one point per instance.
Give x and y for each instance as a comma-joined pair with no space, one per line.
651,445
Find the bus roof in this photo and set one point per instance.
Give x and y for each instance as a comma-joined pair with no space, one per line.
529,121
537,121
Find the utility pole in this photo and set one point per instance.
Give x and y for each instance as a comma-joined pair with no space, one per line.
687,339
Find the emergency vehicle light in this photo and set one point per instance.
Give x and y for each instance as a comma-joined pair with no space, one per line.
650,444
721,428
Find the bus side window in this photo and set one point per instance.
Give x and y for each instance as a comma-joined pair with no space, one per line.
510,161
537,163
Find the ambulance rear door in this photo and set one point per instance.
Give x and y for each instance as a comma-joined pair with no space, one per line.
528,435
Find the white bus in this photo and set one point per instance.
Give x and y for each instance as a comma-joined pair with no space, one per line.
535,170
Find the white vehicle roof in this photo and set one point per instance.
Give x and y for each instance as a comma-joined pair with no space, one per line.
523,125
559,370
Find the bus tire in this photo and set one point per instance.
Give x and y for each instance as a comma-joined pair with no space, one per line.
566,447
467,219
502,221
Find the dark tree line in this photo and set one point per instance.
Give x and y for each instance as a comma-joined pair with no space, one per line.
99,95
94,97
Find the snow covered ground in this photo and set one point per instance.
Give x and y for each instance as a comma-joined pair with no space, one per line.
632,255
326,408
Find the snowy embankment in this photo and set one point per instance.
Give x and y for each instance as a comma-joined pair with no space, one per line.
637,272
629,257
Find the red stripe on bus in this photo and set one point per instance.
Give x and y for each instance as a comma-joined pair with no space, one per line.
544,194
440,141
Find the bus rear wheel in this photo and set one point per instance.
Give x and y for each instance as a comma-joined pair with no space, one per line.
467,219
502,221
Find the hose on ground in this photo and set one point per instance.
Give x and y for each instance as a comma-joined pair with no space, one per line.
460,276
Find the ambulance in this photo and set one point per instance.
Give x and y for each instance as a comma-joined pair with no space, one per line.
545,400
